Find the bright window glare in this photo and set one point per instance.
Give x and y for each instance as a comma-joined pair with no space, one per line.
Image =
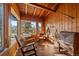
39,24
33,24
14,23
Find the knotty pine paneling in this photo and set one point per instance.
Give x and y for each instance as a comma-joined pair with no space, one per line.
63,22
77,17
16,11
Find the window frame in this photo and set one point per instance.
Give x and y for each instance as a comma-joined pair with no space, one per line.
26,22
2,37
9,24
39,31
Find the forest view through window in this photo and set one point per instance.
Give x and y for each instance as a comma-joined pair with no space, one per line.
28,28
13,27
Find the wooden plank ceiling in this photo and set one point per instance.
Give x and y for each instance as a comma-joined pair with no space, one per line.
40,10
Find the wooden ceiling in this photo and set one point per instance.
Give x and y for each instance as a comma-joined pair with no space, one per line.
40,10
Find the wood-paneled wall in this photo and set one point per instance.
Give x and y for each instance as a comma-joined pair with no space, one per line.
8,9
63,22
5,25
15,11
11,51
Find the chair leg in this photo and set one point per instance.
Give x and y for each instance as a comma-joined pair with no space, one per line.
59,46
22,52
35,50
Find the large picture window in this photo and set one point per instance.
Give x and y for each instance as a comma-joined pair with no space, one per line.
1,24
28,28
13,27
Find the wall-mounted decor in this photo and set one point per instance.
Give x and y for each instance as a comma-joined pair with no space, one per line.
51,30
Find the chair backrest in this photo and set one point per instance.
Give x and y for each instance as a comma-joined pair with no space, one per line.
21,43
17,39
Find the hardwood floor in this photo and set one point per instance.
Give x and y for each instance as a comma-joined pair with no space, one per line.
45,48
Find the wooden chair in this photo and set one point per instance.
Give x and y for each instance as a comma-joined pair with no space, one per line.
22,47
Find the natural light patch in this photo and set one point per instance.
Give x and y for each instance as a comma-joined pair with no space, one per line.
14,23
39,24
39,27
33,24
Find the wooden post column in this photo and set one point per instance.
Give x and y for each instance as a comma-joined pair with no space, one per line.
7,10
36,26
43,26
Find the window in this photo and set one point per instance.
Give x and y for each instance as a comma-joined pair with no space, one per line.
1,24
28,28
39,27
13,27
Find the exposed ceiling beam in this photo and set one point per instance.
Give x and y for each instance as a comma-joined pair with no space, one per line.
43,10
34,11
26,9
41,13
52,7
29,17
50,10
55,6
41,7
47,14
